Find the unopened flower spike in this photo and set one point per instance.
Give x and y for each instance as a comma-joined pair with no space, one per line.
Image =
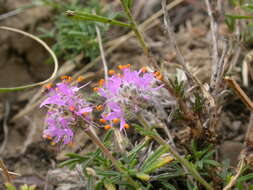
65,107
127,92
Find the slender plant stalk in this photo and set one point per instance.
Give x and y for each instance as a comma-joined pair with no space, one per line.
135,29
109,155
182,160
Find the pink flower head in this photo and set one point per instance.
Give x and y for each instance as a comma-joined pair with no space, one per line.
127,91
66,105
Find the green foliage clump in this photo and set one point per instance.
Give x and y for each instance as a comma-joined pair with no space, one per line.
73,36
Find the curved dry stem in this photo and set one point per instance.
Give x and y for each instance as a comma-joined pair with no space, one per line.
46,47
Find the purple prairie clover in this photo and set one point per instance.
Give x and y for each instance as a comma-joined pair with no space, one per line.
127,92
66,106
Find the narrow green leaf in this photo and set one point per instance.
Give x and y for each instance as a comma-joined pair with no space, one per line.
158,163
168,186
153,157
239,16
96,18
245,178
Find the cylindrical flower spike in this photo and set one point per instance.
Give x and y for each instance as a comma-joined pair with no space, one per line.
67,105
128,90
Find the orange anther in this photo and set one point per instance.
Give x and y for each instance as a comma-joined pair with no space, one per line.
126,126
99,107
107,127
85,114
111,72
49,86
116,121
102,120
95,89
80,79
101,82
64,77
71,108
121,67
47,137
69,79
160,77
144,69
128,66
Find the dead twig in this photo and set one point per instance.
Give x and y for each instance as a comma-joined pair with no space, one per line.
214,33
180,57
240,93
6,174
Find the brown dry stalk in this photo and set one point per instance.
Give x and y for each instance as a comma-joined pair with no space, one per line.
6,174
242,95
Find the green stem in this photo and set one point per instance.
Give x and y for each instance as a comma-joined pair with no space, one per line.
109,155
182,160
135,29
96,18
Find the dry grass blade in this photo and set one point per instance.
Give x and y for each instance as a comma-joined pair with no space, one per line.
181,59
6,174
46,47
242,95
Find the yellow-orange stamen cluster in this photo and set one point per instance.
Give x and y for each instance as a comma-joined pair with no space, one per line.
144,69
116,121
101,82
71,108
111,72
158,75
99,107
85,114
80,79
107,127
102,120
96,89
47,137
126,126
66,78
49,86
121,67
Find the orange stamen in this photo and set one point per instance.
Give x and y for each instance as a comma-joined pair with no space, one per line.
47,137
53,143
69,79
126,126
85,114
100,107
102,120
107,127
111,72
95,89
116,121
64,77
121,67
158,75
49,86
128,66
71,108
101,82
144,69
80,79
